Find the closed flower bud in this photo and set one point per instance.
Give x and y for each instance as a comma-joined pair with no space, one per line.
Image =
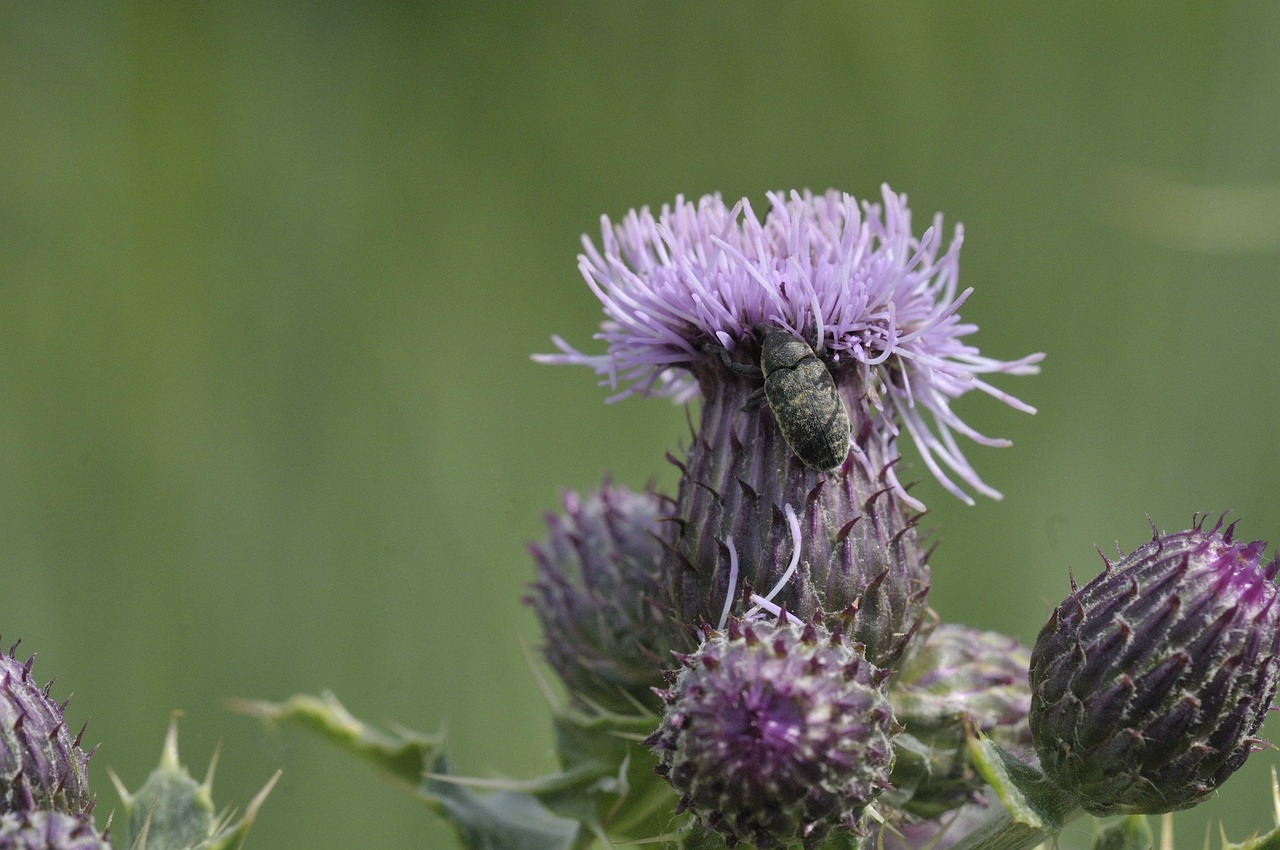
600,598
959,677
42,830
1150,681
41,764
775,733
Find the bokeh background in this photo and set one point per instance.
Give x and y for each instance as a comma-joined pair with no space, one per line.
270,275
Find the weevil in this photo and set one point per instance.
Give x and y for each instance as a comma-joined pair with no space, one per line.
802,395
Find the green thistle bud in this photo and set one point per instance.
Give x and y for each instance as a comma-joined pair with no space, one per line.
41,765
959,677
171,811
776,733
1149,683
42,830
600,597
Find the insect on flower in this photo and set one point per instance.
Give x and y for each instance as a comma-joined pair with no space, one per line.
802,395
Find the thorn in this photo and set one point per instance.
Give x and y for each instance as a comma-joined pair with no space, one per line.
705,486
251,811
1275,797
213,767
169,752
870,500
674,461
845,529
120,789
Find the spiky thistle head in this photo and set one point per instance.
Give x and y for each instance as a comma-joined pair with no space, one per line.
775,732
851,279
838,313
41,763
1150,682
50,830
601,600
957,681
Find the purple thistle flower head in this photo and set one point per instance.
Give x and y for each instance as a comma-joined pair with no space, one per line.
50,830
878,304
41,763
1149,683
600,598
776,732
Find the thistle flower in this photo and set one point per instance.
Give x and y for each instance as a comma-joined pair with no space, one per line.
600,598
41,765
42,830
957,678
853,281
1150,681
775,732
690,298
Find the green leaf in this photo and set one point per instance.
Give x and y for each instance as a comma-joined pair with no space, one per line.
609,775
500,819
1035,810
607,779
403,753
496,820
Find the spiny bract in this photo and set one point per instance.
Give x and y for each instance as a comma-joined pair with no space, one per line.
41,764
775,733
1149,683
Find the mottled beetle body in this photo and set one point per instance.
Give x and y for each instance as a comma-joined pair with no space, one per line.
802,395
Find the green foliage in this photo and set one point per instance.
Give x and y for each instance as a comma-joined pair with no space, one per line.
606,785
1034,809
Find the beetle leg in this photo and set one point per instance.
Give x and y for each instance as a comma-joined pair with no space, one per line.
740,368
753,400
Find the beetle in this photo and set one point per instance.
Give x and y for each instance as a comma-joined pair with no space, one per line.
802,395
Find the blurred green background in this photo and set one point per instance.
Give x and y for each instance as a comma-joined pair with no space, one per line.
270,275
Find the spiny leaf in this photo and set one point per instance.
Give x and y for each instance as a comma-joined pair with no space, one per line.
501,819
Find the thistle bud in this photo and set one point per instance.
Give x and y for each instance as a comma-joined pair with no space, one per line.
41,830
959,677
172,810
599,597
41,764
775,733
1149,683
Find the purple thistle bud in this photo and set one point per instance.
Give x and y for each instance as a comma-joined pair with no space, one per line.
775,733
957,678
41,764
601,600
751,517
1150,681
41,830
